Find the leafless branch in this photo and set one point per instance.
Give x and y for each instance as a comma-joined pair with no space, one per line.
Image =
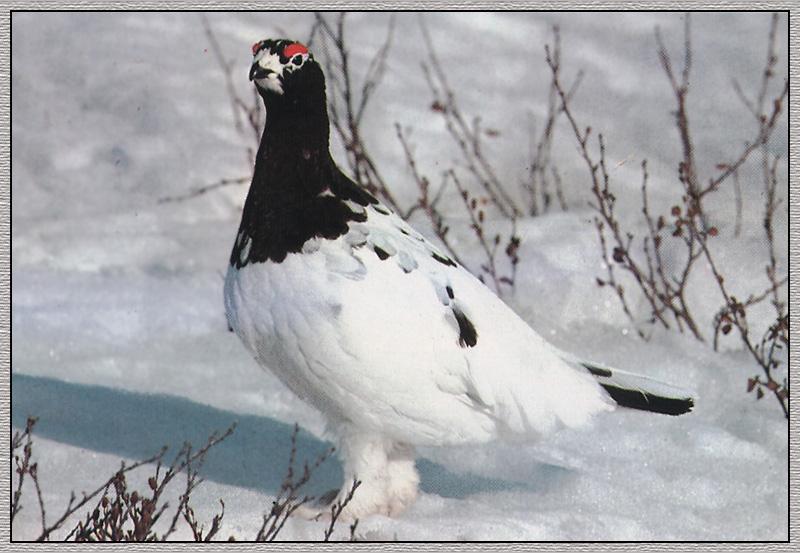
424,201
690,224
204,190
543,174
336,510
489,245
467,136
247,119
74,505
289,499
131,516
249,109
347,102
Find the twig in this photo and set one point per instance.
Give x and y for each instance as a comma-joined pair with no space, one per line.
203,190
666,291
348,103
476,218
23,463
73,507
243,110
542,170
336,510
466,136
424,201
250,110
288,499
109,518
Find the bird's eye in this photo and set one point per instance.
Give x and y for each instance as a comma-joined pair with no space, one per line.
297,60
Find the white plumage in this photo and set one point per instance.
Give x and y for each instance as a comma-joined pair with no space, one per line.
394,343
363,340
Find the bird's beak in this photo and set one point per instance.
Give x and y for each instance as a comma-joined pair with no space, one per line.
258,72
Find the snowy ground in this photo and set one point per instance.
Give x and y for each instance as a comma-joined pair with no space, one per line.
120,343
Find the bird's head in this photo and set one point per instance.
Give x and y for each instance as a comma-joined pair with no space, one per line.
277,64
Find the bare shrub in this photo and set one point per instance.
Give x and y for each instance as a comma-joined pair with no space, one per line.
348,99
476,181
544,179
115,512
688,226
119,514
685,229
248,120
289,498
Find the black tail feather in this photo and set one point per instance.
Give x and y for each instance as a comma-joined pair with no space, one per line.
639,392
636,399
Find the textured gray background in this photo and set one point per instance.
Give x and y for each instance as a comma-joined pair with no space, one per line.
5,267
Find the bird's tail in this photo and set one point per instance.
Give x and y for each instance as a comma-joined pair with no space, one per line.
640,392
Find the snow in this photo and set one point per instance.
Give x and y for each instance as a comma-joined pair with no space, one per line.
120,342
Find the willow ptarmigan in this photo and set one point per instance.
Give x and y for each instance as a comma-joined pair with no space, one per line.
366,320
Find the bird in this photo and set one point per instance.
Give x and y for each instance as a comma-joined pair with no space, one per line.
384,333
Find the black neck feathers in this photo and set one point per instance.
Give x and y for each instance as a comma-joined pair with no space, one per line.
297,192
298,118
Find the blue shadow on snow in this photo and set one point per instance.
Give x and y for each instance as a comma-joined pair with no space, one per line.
136,426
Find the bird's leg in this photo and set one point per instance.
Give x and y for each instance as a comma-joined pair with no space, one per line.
403,478
387,475
365,458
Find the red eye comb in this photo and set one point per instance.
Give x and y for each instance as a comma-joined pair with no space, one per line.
293,49
256,47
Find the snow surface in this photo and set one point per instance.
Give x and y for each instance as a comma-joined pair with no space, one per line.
120,343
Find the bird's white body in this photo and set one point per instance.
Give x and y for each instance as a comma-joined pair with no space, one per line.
376,349
358,314
372,346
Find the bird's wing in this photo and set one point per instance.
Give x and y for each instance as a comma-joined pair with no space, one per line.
467,342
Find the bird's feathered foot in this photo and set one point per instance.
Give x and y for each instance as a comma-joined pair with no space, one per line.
380,478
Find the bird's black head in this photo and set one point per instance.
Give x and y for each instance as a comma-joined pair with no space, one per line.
278,65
